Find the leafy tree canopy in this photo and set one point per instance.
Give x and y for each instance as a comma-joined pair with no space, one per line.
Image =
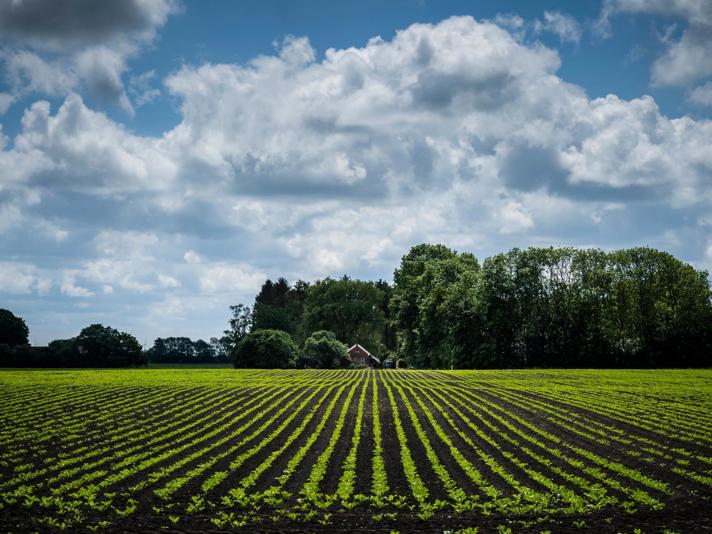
265,349
13,329
103,346
323,351
351,309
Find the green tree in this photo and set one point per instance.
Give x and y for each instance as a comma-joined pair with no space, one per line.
406,289
323,351
239,325
222,348
64,353
278,305
103,346
13,329
419,309
351,309
659,311
265,349
181,350
432,346
269,317
389,337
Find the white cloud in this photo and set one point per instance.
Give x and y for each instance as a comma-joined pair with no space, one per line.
514,218
141,88
28,72
702,95
101,68
17,278
458,132
6,100
192,257
565,26
229,278
87,150
81,48
70,288
166,281
126,245
9,216
685,60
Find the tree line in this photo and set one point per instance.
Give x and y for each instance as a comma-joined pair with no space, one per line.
551,307
95,346
539,307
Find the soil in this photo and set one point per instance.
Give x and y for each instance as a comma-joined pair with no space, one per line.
687,510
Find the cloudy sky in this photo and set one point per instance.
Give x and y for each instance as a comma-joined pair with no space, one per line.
160,158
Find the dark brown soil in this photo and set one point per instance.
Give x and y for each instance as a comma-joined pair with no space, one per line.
687,510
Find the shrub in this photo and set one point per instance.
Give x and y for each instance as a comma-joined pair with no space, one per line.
265,349
323,351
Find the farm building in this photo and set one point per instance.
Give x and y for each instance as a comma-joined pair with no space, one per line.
361,356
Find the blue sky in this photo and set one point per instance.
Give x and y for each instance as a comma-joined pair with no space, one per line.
160,158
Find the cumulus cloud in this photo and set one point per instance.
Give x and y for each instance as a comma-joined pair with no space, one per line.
84,150
101,69
141,89
54,24
230,278
702,95
17,278
457,132
54,48
70,288
565,26
686,59
6,100
28,72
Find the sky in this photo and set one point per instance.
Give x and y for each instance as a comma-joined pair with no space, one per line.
159,159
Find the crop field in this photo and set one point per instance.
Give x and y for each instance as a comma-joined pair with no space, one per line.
488,451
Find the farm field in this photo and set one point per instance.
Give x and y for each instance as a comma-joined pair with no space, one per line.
223,449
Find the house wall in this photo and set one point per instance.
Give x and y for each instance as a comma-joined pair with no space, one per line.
359,356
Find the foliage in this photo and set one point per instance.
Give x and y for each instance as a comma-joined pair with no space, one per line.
265,349
184,350
222,348
279,449
239,325
407,292
13,329
351,309
278,305
547,307
95,346
323,351
103,346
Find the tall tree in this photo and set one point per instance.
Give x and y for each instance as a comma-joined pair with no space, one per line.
239,325
351,309
181,350
421,287
389,337
13,329
278,306
404,302
103,346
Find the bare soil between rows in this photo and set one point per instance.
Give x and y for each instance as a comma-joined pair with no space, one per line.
687,510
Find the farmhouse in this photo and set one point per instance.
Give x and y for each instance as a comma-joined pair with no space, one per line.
361,356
